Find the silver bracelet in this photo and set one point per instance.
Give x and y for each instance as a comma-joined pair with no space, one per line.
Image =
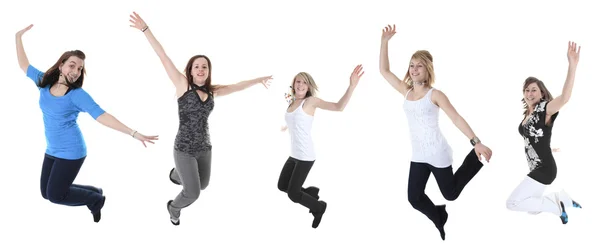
133,133
144,29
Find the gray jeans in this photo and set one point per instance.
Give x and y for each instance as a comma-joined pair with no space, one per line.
193,172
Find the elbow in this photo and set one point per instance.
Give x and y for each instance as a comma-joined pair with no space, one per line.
384,70
102,117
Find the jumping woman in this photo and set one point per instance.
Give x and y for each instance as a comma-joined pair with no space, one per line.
431,153
195,98
299,118
540,112
61,100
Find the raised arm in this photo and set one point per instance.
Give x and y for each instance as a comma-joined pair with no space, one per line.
384,62
558,102
21,55
176,77
222,90
341,104
440,99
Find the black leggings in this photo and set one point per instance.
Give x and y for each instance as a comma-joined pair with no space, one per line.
292,178
451,185
56,184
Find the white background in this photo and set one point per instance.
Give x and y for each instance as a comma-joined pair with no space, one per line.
482,53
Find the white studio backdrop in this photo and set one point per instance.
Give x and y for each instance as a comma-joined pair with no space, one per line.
482,54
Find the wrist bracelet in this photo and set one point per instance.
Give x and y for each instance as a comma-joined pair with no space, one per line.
144,29
133,133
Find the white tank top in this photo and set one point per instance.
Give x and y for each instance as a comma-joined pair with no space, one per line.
299,125
428,143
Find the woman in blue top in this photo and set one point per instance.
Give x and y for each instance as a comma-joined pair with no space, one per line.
61,101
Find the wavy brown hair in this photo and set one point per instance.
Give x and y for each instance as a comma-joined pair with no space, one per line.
546,95
53,73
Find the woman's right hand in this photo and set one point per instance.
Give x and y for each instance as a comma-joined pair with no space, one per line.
137,21
388,32
22,31
143,138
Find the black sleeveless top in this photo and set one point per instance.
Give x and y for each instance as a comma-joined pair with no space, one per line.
193,135
537,137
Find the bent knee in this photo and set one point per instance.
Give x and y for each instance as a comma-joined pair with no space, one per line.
192,194
511,204
295,196
55,197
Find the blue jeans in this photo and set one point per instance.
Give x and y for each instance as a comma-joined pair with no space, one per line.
56,184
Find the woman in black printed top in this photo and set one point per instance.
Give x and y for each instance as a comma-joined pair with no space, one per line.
195,98
541,110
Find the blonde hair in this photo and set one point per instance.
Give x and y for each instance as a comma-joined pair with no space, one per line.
426,58
312,86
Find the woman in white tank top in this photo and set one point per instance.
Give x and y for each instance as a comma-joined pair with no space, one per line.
299,117
431,153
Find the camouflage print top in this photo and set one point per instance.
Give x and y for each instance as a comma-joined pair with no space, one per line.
193,135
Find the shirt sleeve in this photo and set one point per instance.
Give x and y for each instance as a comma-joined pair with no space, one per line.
34,74
85,103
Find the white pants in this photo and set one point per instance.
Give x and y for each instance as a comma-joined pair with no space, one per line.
529,197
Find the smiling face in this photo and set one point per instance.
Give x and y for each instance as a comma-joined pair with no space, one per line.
72,68
532,94
301,87
534,91
200,70
418,71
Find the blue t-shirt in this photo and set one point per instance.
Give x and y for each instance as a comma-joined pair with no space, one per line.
63,136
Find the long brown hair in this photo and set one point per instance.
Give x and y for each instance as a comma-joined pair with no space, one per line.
546,95
188,72
53,73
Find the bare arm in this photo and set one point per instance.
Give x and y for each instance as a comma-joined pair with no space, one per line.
335,106
21,55
223,90
341,104
557,103
110,121
384,62
441,100
176,77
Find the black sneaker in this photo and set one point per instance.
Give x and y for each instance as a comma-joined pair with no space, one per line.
443,219
319,215
98,215
171,178
174,221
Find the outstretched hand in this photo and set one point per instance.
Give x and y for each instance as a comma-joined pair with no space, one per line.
143,138
356,74
137,22
266,81
388,32
22,31
482,150
573,53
